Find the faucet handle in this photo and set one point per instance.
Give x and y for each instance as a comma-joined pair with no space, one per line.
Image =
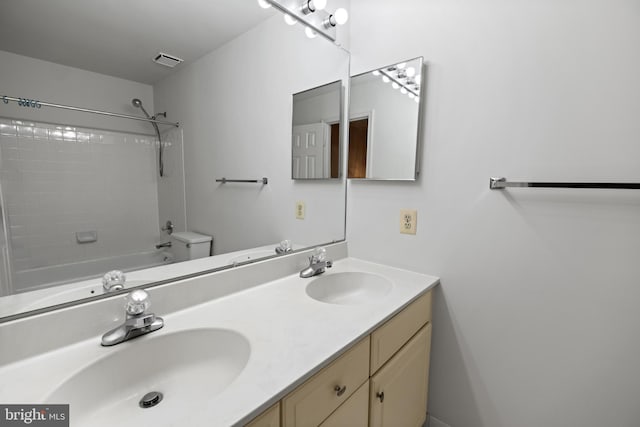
284,247
168,227
113,281
137,302
319,255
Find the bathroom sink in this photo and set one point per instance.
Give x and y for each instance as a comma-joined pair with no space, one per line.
188,368
349,288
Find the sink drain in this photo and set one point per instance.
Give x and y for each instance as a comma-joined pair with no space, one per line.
150,399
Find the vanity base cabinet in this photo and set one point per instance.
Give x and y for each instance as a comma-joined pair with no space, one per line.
382,381
398,393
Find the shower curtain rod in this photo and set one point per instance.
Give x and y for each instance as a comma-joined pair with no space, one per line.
32,103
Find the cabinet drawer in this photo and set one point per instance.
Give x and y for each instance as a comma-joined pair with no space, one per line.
316,399
269,418
388,338
354,412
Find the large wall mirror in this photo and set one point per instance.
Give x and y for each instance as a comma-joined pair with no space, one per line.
384,122
81,193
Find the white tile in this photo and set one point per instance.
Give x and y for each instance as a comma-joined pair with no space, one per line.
25,132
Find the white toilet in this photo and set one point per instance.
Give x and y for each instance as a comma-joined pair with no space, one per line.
186,245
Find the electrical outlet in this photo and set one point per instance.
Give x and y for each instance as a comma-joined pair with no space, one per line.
300,209
408,221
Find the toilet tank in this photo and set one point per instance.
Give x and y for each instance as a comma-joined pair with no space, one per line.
187,245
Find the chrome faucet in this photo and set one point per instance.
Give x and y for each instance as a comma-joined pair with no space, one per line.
317,264
113,281
163,245
138,321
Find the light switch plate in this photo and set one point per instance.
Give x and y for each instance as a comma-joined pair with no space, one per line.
408,221
300,209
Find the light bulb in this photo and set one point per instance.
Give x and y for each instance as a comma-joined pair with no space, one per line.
411,71
290,20
411,96
395,85
341,16
319,4
403,90
310,33
264,4
401,65
385,79
375,72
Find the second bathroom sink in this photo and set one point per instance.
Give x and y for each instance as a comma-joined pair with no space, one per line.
349,288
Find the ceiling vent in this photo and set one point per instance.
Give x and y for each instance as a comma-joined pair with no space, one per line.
167,60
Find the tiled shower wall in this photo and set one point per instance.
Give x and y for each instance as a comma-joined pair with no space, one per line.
59,180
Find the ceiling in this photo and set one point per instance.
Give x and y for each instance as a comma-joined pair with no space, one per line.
120,37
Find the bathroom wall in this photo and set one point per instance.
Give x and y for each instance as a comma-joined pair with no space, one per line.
536,321
64,172
236,107
324,107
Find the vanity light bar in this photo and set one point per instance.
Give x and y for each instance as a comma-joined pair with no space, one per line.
311,14
400,83
401,77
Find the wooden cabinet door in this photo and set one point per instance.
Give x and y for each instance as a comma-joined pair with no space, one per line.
398,393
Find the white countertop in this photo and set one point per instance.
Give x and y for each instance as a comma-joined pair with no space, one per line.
291,337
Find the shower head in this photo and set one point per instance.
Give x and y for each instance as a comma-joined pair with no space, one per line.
138,104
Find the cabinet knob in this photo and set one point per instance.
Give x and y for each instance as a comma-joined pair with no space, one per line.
380,395
340,390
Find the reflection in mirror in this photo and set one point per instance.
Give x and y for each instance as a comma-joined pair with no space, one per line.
81,194
384,122
316,132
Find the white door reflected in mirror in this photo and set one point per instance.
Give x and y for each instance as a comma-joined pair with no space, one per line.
311,151
315,141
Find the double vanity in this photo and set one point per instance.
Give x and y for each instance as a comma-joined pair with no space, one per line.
254,345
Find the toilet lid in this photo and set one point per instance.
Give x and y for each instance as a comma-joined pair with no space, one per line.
191,237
